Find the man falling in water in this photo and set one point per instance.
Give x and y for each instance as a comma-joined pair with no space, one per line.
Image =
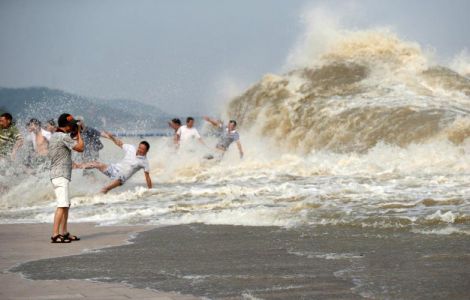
227,135
133,161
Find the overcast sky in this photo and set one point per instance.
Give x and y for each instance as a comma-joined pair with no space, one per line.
187,57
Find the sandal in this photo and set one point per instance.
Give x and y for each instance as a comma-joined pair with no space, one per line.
72,238
60,239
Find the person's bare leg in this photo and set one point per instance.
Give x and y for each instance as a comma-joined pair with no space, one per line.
59,215
113,184
93,165
64,220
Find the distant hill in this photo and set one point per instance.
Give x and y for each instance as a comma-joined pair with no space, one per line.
44,103
144,111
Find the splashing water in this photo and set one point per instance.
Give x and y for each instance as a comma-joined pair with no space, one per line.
368,133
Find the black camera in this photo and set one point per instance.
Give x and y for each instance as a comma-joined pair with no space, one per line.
75,129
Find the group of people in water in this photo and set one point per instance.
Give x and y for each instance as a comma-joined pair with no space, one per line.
70,144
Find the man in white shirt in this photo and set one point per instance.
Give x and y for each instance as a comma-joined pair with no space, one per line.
134,160
187,134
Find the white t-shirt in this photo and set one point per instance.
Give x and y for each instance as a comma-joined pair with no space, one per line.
46,134
187,134
131,162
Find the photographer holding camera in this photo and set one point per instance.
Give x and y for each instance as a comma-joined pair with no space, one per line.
62,142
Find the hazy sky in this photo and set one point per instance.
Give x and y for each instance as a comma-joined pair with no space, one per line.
187,57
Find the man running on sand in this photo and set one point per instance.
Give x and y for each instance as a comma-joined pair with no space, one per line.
133,161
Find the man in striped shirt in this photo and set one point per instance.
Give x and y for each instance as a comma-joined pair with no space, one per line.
227,135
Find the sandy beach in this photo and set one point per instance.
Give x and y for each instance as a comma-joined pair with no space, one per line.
20,243
237,262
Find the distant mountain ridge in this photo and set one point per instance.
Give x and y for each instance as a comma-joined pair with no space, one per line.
45,103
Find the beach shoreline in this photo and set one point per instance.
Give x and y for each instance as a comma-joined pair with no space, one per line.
20,243
256,262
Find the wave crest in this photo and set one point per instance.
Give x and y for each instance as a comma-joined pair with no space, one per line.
370,87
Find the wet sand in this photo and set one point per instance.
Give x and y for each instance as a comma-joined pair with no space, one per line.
237,262
27,242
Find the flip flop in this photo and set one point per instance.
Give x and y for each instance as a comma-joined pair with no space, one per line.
59,239
72,238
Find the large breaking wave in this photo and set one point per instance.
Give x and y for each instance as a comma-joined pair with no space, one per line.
368,87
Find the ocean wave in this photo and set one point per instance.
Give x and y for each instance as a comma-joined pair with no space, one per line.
367,132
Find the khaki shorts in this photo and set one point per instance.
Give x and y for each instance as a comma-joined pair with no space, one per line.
61,189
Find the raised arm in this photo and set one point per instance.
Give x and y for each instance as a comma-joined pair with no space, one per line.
110,136
148,179
80,146
214,122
